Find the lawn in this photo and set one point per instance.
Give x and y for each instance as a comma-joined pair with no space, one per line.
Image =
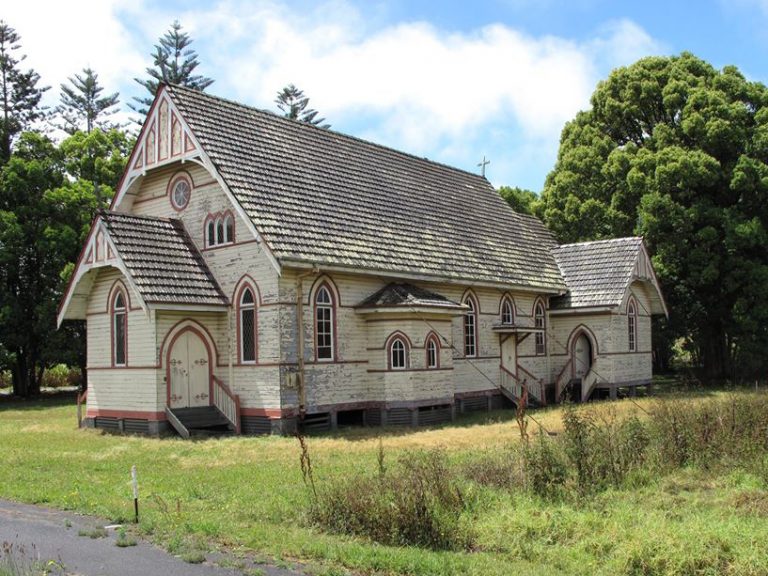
247,495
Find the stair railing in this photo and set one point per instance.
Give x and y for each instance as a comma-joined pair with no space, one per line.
588,384
176,423
562,379
511,384
227,402
535,386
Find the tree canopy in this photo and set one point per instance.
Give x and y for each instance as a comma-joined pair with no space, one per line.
174,62
19,93
82,105
520,199
294,105
677,151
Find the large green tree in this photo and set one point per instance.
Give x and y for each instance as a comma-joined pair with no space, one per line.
295,105
174,62
520,199
83,107
677,151
19,93
48,197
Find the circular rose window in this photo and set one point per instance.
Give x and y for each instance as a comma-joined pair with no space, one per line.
180,193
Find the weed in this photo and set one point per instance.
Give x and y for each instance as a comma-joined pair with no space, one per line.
193,556
124,540
418,503
93,533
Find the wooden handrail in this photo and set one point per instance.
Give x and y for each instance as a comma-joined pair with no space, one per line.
588,384
558,381
177,424
81,399
538,389
230,408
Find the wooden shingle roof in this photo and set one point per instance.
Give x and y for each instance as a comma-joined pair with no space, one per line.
323,198
162,260
597,273
407,295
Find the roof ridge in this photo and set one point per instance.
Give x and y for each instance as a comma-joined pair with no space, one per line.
111,213
602,241
306,125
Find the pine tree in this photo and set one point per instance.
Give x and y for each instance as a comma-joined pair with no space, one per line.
174,63
19,94
82,105
293,104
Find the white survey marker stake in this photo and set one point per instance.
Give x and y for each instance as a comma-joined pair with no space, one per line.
135,483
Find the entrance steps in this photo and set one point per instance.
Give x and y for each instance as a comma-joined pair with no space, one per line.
200,421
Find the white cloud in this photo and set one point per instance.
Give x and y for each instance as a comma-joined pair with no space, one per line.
62,38
410,85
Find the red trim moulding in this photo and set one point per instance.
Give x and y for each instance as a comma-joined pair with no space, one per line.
137,414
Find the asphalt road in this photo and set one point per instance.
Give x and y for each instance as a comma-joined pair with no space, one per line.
52,535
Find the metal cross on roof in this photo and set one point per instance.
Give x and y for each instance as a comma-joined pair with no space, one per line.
482,166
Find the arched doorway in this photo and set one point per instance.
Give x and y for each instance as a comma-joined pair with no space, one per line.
582,356
189,371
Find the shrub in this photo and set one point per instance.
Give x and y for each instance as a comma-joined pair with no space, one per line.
546,468
61,375
417,503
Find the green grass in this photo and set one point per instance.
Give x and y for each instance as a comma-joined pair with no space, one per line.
247,495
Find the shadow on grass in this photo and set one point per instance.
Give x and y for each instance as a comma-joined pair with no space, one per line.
47,399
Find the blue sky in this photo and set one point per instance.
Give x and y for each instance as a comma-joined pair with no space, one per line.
451,81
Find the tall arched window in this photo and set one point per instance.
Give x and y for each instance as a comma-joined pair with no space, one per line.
507,311
229,229
632,325
324,324
210,233
398,354
470,328
247,326
119,330
433,352
540,322
219,231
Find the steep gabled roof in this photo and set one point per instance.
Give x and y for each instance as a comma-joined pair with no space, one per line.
157,258
599,273
162,260
324,198
407,296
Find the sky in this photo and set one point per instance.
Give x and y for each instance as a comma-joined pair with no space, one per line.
452,81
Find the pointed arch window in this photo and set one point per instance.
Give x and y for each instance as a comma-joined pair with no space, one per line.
470,328
119,329
325,320
540,322
632,325
507,311
219,229
433,352
247,326
398,354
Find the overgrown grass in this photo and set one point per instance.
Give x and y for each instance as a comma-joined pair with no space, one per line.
689,511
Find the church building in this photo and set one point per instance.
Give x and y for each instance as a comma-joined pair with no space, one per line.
255,273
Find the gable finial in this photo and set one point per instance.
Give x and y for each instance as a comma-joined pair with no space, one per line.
482,166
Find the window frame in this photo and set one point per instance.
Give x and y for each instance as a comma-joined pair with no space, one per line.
507,303
175,180
404,353
243,308
432,341
470,328
632,325
119,312
219,229
540,321
330,307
